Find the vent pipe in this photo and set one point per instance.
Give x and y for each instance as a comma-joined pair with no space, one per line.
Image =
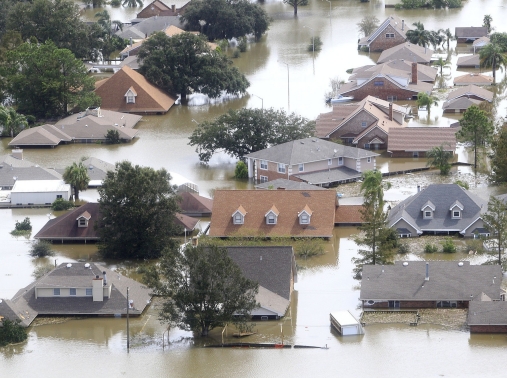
105,278
402,25
427,272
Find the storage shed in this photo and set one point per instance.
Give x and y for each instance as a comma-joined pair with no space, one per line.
345,323
39,192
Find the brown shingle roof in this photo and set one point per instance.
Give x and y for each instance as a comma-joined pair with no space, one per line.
348,214
471,31
471,90
469,61
421,138
257,203
472,78
406,51
192,203
185,221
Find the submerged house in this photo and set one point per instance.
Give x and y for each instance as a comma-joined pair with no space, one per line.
468,34
487,316
462,98
408,52
390,33
414,142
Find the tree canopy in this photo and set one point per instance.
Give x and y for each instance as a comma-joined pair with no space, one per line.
202,287
495,220
498,157
439,158
295,4
493,55
137,207
368,25
77,176
240,132
226,19
12,123
426,100
47,81
11,332
185,63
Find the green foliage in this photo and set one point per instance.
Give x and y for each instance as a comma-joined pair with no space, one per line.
60,204
403,248
115,3
137,206
25,225
315,44
241,171
309,248
448,246
476,130
226,19
493,55
430,248
113,137
242,45
495,220
499,39
12,123
486,22
295,4
439,158
498,157
202,288
240,132
77,176
42,270
236,54
41,248
413,4
12,332
110,41
184,63
463,184
132,3
426,100
46,81
475,245
368,25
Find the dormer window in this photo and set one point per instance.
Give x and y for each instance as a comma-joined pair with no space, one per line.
82,220
428,210
304,216
130,96
272,215
456,209
238,217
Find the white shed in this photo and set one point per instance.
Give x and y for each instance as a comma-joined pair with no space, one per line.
345,323
39,192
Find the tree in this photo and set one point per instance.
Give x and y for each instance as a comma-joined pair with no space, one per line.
77,176
439,158
11,332
241,170
447,37
12,123
495,220
185,63
111,42
441,63
41,248
226,19
426,100
295,4
137,206
47,81
499,39
493,55
476,129
498,157
487,22
113,137
368,25
202,287
132,3
240,132
380,241
419,36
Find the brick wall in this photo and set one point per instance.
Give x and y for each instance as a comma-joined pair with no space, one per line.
387,89
488,328
382,43
353,126
407,154
375,133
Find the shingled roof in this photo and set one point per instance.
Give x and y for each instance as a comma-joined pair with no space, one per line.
472,78
421,139
192,204
471,90
406,51
471,32
487,313
448,280
469,61
394,21
9,175
284,184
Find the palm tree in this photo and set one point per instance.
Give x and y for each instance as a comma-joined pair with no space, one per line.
492,55
438,157
447,37
106,23
419,36
427,100
132,3
11,121
77,176
441,63
487,22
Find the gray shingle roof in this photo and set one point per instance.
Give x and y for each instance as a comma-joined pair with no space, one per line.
447,281
288,185
443,196
406,51
392,20
7,174
468,61
309,150
471,31
149,26
487,313
19,310
332,175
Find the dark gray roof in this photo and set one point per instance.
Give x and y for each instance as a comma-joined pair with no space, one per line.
332,175
447,281
7,174
149,26
271,267
14,311
288,185
471,31
443,196
309,150
487,313
9,160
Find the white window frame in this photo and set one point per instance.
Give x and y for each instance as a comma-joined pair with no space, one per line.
131,99
88,292
72,291
304,218
364,124
56,292
281,168
428,214
238,218
264,165
264,179
301,167
456,214
271,219
340,160
329,161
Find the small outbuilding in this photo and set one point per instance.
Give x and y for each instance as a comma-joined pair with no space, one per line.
39,192
345,323
487,316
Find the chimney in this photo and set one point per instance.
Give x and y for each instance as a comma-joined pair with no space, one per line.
17,153
105,278
390,111
427,272
414,73
337,200
97,289
173,8
418,188
402,25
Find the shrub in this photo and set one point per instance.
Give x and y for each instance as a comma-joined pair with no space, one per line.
474,246
242,45
113,137
430,248
241,171
22,228
11,332
448,246
463,184
41,270
236,53
309,247
41,248
403,249
60,204
315,43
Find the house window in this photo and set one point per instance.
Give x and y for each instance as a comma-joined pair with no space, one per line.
56,291
428,214
392,98
131,100
415,154
456,214
449,304
367,146
363,124
82,222
264,164
368,160
304,218
89,292
378,83
264,179
301,167
271,219
329,161
389,35
59,196
281,168
340,160
72,291
238,218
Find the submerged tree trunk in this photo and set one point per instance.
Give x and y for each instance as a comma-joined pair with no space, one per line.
295,8
76,194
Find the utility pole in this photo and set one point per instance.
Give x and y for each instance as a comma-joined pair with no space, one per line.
128,328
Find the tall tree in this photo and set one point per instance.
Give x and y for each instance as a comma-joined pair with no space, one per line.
498,157
426,100
493,55
439,158
368,25
419,35
77,176
240,132
476,129
202,288
110,41
226,19
47,81
441,63
486,22
137,206
295,4
185,63
132,3
447,37
495,220
12,123
379,240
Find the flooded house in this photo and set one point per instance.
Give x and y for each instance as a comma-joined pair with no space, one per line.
390,33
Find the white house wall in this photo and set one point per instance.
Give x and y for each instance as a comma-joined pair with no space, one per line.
64,292
38,198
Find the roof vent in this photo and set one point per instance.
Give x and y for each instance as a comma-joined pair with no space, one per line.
405,263
460,263
87,265
69,265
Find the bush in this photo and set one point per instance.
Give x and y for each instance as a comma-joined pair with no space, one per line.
242,45
315,43
236,53
60,204
463,184
474,246
448,246
12,332
113,137
42,270
41,248
241,171
309,247
403,249
22,228
430,248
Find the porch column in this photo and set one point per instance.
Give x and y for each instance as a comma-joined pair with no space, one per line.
250,167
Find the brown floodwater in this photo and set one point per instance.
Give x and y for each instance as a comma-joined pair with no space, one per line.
89,347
